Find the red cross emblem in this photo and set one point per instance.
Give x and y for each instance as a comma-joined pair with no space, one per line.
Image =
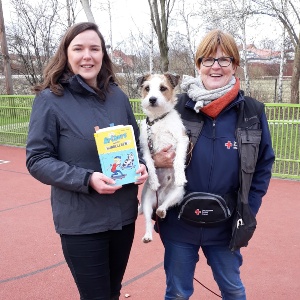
198,212
228,145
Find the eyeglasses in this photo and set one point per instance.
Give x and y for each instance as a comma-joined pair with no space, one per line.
223,61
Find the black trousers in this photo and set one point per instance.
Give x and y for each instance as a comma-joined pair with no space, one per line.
98,261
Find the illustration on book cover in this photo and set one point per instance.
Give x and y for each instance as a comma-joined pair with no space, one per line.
117,153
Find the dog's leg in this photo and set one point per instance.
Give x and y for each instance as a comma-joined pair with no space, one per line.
147,205
179,161
173,197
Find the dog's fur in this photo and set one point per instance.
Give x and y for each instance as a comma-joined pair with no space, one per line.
158,98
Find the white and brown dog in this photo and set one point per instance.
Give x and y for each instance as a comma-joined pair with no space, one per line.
162,127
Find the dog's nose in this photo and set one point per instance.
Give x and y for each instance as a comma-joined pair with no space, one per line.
152,100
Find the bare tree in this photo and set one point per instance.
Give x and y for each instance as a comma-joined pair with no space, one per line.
288,13
33,36
87,10
107,6
7,70
280,77
188,14
160,23
181,61
138,44
243,13
151,52
110,25
71,15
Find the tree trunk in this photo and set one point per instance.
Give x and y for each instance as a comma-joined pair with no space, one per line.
280,77
247,81
160,25
6,59
87,10
295,77
164,50
151,54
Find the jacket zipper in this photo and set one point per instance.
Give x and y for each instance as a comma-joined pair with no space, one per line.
214,138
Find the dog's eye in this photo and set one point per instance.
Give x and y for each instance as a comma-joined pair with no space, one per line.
147,89
163,88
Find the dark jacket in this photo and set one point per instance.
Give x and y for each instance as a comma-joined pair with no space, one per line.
61,152
214,168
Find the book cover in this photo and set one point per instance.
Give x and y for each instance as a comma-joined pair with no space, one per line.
118,153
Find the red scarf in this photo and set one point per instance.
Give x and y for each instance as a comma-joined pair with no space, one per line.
215,107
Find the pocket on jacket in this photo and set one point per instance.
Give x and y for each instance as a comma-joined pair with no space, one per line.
250,140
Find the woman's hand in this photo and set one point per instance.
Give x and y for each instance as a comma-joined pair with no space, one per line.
164,158
102,184
144,174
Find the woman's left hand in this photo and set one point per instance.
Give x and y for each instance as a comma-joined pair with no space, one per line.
144,174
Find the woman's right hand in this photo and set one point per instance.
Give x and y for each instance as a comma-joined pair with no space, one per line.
103,184
164,158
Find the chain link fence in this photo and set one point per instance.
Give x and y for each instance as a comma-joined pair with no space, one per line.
283,119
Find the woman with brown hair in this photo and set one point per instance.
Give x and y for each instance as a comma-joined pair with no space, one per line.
95,219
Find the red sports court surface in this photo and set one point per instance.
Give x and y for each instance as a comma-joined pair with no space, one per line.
32,266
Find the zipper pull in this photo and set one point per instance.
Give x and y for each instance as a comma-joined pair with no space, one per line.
239,223
247,134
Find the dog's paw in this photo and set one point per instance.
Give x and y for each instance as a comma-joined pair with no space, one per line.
161,212
147,238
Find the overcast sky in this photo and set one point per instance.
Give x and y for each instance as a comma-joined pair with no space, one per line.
133,16
127,15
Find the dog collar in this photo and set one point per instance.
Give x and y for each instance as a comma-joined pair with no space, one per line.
150,123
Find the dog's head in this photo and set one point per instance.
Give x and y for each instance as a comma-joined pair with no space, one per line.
158,93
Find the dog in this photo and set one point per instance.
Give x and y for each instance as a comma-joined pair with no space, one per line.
128,163
162,127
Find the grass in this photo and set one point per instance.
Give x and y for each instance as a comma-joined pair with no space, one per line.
284,124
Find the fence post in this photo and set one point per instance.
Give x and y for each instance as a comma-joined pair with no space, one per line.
275,100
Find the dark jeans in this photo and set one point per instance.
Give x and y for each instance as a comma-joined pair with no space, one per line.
180,263
98,261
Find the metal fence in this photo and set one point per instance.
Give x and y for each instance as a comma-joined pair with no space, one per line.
284,123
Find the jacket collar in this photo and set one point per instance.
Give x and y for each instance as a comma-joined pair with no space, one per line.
77,84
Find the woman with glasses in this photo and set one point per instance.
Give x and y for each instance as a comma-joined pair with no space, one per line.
211,103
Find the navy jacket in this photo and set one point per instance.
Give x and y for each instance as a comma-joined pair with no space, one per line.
61,152
214,168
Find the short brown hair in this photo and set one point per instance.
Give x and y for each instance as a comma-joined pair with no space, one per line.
210,43
58,65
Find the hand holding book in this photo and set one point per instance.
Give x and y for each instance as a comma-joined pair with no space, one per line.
118,154
103,184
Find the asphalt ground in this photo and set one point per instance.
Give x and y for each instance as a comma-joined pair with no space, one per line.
32,266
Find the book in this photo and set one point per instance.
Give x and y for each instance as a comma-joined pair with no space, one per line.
117,152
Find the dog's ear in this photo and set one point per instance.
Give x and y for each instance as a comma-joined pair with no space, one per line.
173,79
140,80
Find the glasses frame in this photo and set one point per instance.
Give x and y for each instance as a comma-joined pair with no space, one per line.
217,60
